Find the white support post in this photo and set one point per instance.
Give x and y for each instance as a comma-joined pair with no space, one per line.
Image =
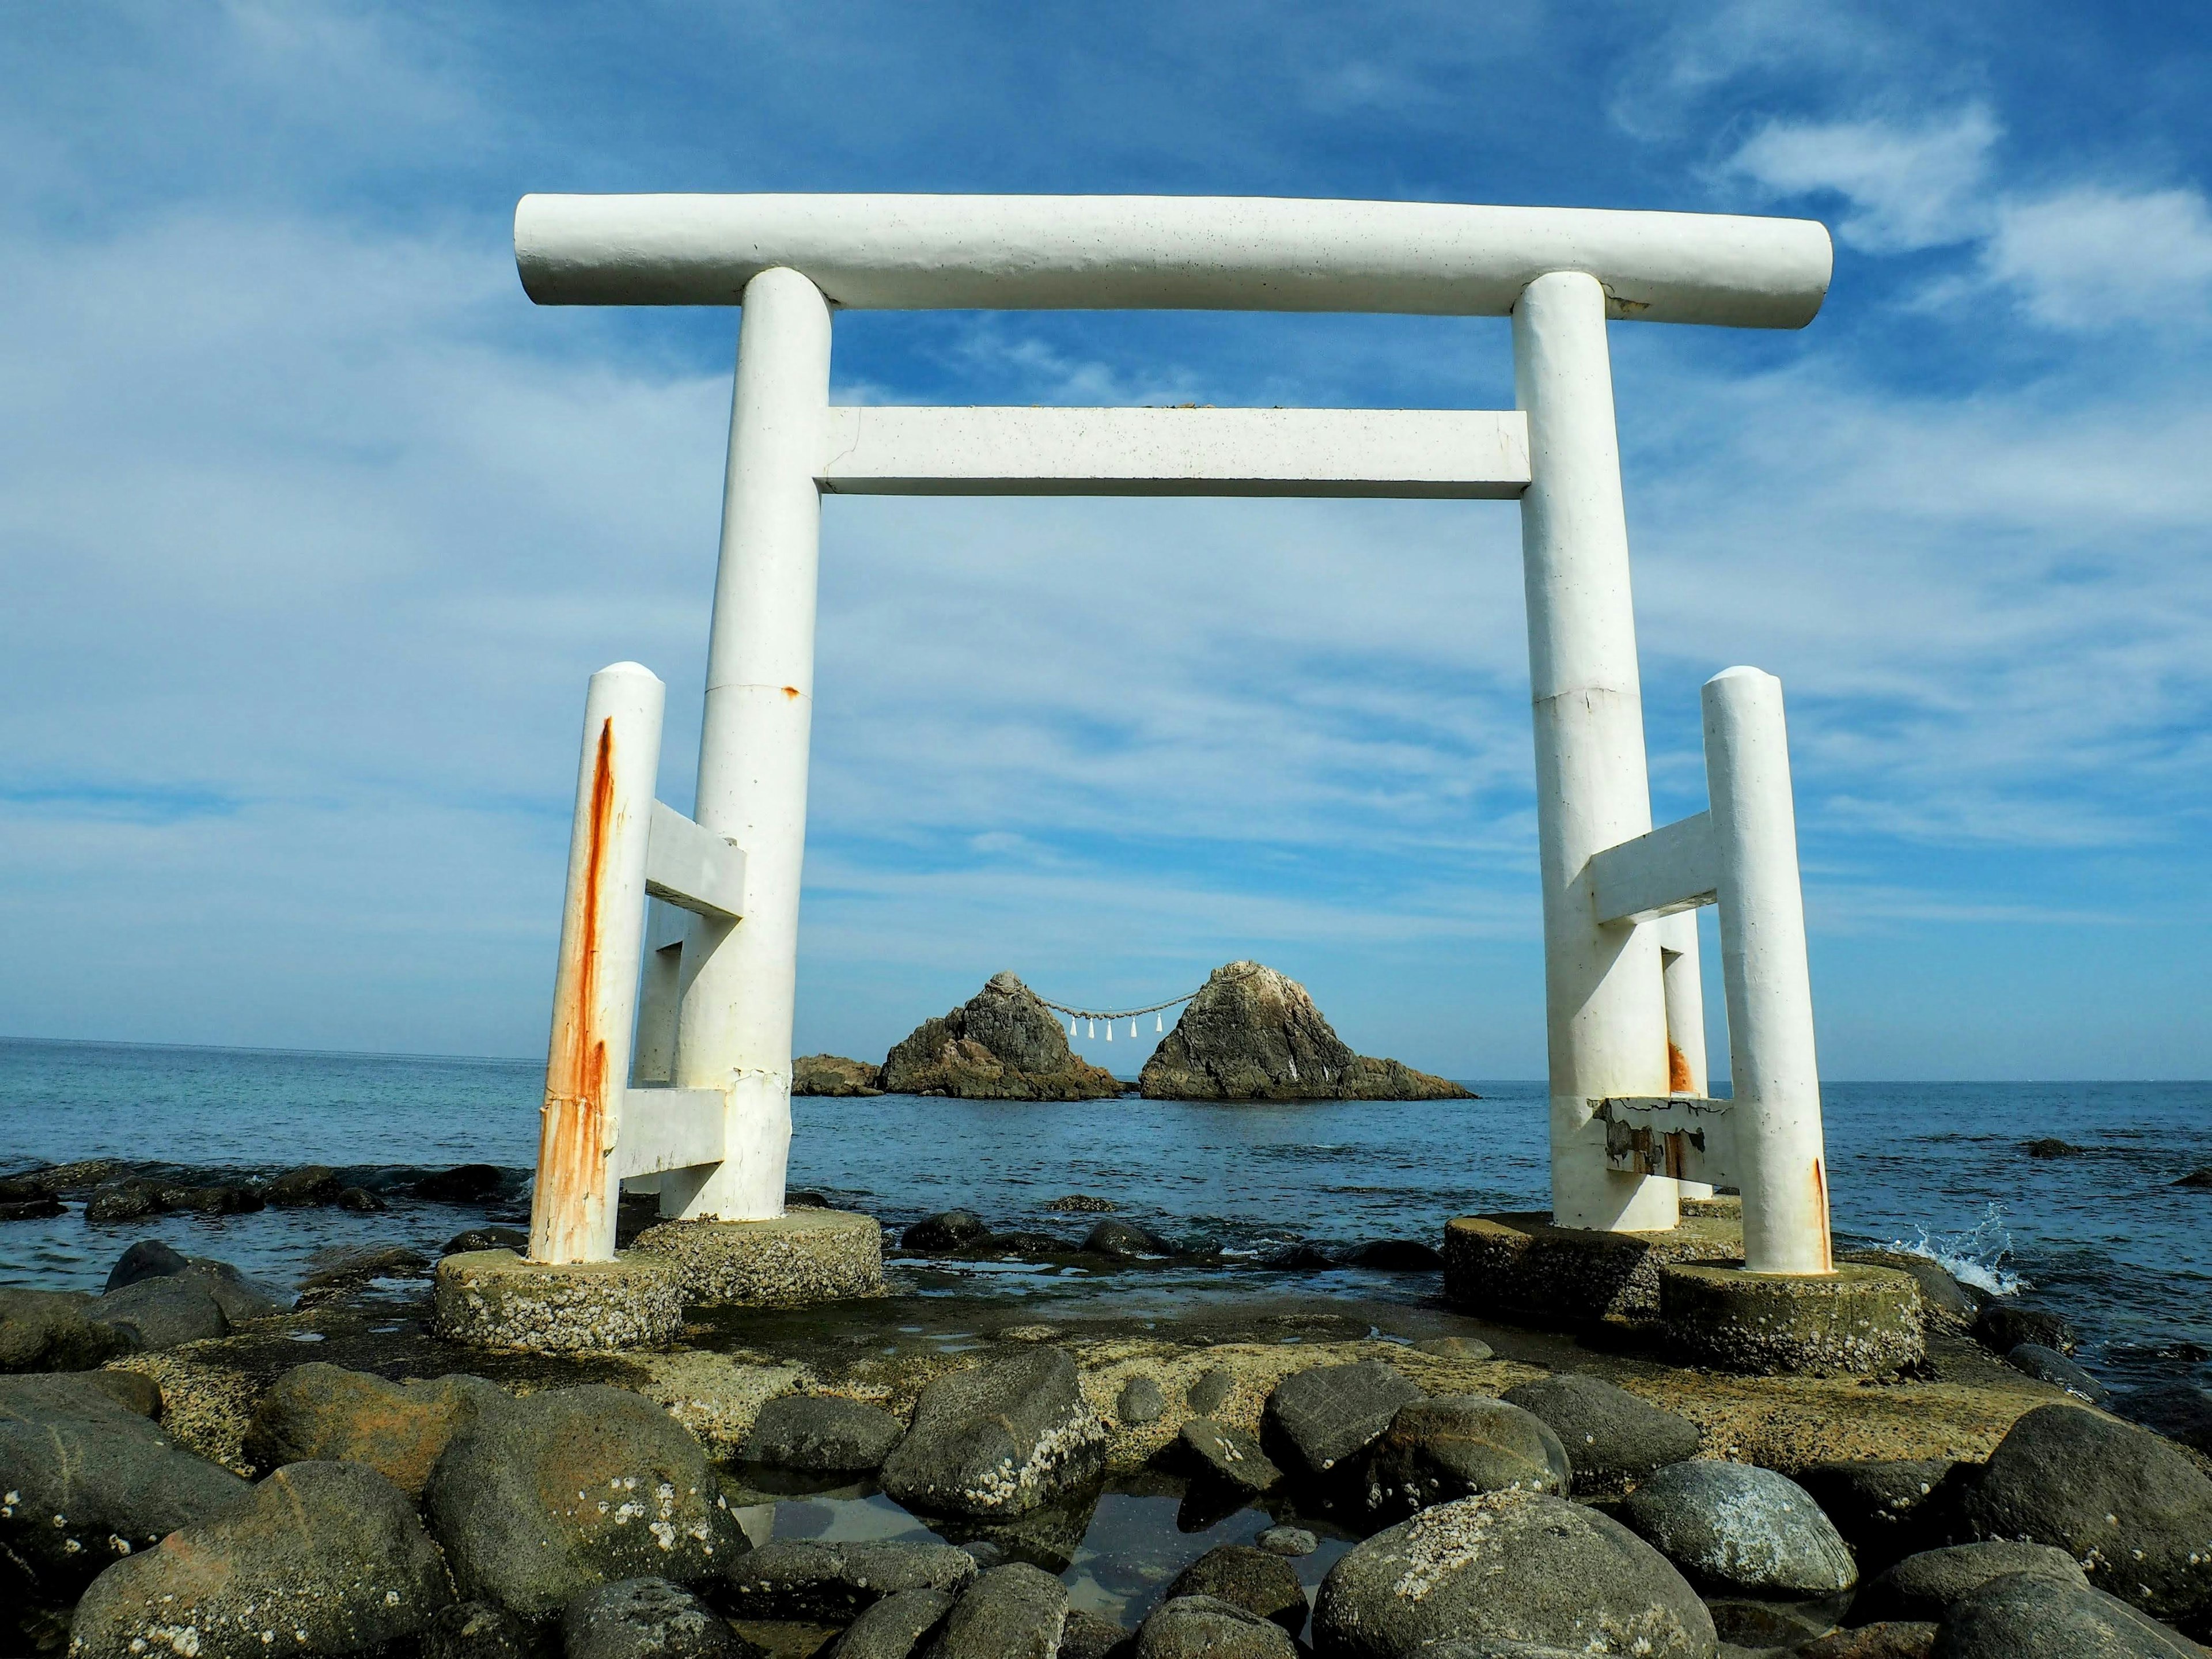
1779,1150
1685,993
572,1210
1606,1011
734,1030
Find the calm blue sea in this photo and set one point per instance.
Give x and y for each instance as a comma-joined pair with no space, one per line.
1941,1167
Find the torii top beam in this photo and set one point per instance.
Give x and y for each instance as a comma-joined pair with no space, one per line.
1185,252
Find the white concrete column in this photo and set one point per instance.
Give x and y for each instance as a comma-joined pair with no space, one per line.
1685,993
1780,1156
734,1030
1605,1008
572,1208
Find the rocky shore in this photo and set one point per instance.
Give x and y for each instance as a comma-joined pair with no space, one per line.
1001,1044
195,1464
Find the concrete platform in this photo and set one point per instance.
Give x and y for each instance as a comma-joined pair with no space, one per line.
1860,1320
801,1257
496,1299
1520,1265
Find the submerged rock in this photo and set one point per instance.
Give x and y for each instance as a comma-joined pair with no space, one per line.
1509,1567
398,1429
1740,1530
125,1199
2130,1506
998,1441
948,1230
829,1582
325,1558
1254,1034
834,1075
2004,1326
465,1184
1195,1626
309,1185
1612,1439
1001,1044
648,1618
86,1480
553,1494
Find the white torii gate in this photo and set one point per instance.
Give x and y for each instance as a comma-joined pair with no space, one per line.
1624,1010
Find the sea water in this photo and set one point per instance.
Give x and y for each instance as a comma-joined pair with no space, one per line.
1940,1167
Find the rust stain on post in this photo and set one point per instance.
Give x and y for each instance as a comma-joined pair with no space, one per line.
569,1152
791,691
1678,1069
1821,1211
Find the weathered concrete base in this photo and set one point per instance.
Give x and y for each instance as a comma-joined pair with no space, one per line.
801,1257
494,1298
1858,1322
1522,1267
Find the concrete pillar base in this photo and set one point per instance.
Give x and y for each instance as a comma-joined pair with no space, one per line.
497,1299
1856,1321
1523,1268
801,1257
1721,1207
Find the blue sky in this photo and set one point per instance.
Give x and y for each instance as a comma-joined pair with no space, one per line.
311,527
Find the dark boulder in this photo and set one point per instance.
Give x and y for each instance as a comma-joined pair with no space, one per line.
2025,1615
1260,1583
948,1230
1740,1530
398,1429
2130,1506
1300,1259
1199,1626
1886,1509
1397,1255
161,1313
213,1198
1459,1446
469,1240
648,1618
48,1331
1210,1390
331,1556
465,1184
835,1076
478,1629
822,1434
1000,1440
1001,1044
1013,1611
1140,1401
359,1199
74,1180
2179,1411
1124,1241
350,1269
1923,1586
1087,1636
2049,1365
2052,1146
301,1188
1612,1439
127,1199
1219,1452
1254,1034
2199,1179
1509,1567
543,1498
1329,1413
87,1479
241,1296
893,1627
1287,1540
2004,1326
149,1258
829,1582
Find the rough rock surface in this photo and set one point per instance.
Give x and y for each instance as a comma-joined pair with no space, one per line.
1287,1540
647,1619
85,1481
1140,1401
948,1230
2049,1365
1254,1034
399,1429
1891,1638
1881,1506
2024,1614
149,1258
822,1434
161,1313
2003,1325
1190,1625
1227,1454
893,1627
47,1331
321,1558
830,1582
1013,1611
2130,1507
1510,1566
1328,1413
834,1075
2179,1411
1000,1440
1260,1583
1612,1439
1923,1586
1740,1530
308,1185
1945,1304
1001,1044
477,1630
553,1494
1436,1450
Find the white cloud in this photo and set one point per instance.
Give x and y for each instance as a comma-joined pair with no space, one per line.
2090,257
1909,186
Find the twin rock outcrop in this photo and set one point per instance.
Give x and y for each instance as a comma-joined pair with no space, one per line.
1251,1034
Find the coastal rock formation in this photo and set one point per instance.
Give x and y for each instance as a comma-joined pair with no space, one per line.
834,1075
1000,1440
1001,1044
1254,1034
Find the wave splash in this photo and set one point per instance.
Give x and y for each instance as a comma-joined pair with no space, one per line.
1976,1256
